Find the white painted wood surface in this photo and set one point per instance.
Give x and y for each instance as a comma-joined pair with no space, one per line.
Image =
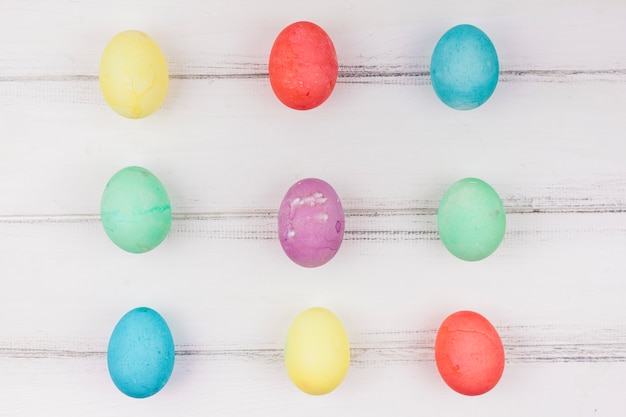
551,141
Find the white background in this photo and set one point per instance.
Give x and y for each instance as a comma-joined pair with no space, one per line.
551,141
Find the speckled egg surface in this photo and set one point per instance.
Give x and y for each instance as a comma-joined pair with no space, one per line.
303,66
464,67
311,222
317,351
135,210
140,355
469,353
133,74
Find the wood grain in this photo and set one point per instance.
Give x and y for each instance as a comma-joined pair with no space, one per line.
523,344
550,141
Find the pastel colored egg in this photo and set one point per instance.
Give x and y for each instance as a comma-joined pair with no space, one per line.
311,223
469,353
303,66
140,355
464,67
133,74
135,210
317,351
471,219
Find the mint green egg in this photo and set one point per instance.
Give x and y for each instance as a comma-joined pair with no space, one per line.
471,219
135,210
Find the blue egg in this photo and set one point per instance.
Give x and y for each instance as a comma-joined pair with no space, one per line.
140,356
464,67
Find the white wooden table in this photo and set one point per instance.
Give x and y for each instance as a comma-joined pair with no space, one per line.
551,141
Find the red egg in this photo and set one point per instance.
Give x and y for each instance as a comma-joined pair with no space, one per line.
303,66
469,353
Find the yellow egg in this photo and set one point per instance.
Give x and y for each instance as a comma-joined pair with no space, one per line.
317,351
133,74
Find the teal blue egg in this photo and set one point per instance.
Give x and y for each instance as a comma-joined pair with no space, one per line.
140,355
135,210
464,68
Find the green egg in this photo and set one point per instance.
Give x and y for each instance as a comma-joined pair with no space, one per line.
135,210
471,219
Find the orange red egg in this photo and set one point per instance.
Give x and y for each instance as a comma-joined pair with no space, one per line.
469,353
303,66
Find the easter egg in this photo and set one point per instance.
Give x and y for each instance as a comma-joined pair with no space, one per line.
469,353
471,219
133,74
303,66
135,210
311,223
464,67
140,355
317,351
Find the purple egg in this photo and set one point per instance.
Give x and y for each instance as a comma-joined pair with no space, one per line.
311,223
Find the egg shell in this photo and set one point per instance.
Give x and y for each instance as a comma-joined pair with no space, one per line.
469,353
303,66
133,74
135,210
311,222
317,351
471,219
140,355
464,67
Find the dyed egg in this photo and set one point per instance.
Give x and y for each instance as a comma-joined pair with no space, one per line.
471,219
311,223
317,351
140,356
133,74
135,210
464,67
303,66
469,353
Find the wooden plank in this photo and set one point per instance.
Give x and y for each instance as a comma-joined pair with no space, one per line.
234,387
514,144
550,141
